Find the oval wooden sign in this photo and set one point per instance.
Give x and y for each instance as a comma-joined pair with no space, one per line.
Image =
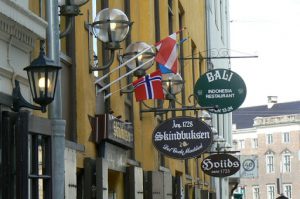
182,137
220,165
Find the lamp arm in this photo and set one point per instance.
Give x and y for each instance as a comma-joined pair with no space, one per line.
19,101
70,23
106,65
129,90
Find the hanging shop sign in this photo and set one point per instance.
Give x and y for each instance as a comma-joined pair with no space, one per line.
222,88
220,165
111,129
182,137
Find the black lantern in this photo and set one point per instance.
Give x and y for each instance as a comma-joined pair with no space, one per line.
42,75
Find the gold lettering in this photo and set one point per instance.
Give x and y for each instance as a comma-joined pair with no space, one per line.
120,132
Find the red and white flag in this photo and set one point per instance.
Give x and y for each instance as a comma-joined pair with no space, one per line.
149,87
167,52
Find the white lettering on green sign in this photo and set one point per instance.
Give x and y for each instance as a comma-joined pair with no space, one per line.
216,75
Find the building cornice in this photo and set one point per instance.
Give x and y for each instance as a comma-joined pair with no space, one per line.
276,120
24,18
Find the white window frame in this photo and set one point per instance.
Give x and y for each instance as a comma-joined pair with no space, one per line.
286,163
271,191
269,138
255,192
254,143
270,163
241,144
286,137
287,192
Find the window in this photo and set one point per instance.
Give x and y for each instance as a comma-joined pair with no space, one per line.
255,192
287,190
255,143
270,163
269,139
286,163
270,191
286,137
241,144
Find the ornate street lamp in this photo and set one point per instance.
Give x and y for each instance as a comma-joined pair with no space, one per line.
110,26
70,7
134,49
172,85
42,75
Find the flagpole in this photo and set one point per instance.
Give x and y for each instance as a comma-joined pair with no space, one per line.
123,64
182,29
110,94
126,74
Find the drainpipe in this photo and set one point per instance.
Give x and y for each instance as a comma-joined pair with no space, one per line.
209,67
55,108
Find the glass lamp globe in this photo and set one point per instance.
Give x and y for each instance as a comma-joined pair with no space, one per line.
111,25
172,84
132,50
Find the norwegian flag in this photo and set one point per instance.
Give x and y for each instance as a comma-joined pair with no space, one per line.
167,53
149,87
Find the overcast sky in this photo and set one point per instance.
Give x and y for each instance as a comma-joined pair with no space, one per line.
271,30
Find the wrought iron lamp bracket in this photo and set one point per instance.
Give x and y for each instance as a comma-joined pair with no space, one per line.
19,101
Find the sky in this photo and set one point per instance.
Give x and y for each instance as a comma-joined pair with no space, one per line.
269,29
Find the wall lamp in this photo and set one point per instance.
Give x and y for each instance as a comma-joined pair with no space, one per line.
136,55
111,27
172,85
132,51
42,75
69,9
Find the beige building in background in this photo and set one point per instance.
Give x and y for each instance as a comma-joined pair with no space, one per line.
273,134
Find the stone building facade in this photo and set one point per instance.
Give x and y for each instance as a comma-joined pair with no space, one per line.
275,142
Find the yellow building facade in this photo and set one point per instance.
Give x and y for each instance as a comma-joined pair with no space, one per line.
153,20
109,151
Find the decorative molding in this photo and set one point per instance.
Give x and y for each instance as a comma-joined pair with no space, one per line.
24,18
21,37
273,120
8,74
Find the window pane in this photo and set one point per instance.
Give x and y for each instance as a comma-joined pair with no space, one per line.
269,138
254,143
286,137
286,163
270,163
287,190
270,191
255,191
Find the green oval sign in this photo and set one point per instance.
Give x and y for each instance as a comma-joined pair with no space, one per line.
220,87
